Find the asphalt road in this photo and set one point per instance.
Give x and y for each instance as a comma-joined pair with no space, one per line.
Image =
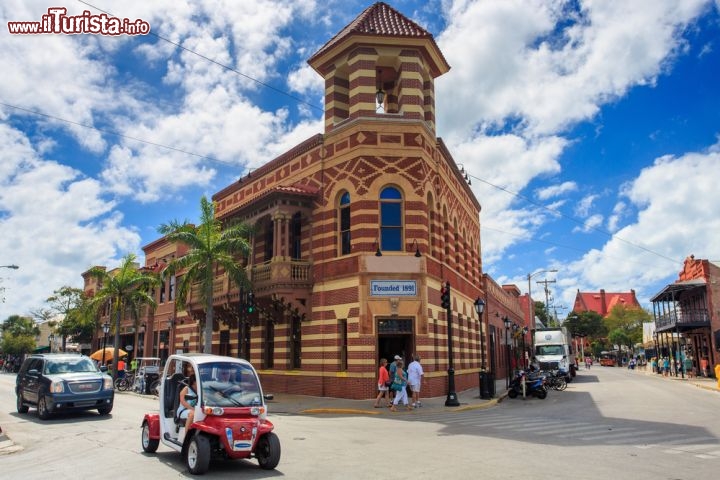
609,424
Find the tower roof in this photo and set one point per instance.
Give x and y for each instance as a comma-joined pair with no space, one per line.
382,20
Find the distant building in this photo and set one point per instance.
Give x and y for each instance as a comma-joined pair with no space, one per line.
687,319
602,302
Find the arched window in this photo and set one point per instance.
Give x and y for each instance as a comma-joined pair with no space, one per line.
344,214
391,230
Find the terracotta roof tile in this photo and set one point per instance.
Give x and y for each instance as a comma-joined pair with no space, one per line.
378,19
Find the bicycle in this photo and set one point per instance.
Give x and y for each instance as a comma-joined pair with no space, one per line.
555,380
125,383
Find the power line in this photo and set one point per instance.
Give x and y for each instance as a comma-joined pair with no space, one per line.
219,64
117,134
573,219
560,245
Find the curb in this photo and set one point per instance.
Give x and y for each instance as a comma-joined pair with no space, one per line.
354,411
338,411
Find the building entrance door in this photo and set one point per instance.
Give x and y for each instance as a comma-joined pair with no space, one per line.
395,337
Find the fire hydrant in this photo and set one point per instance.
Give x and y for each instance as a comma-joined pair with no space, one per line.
717,375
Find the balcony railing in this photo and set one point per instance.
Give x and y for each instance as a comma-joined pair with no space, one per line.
292,273
697,317
264,277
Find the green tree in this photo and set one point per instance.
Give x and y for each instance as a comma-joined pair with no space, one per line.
586,324
17,325
17,344
211,246
64,302
542,314
19,335
628,320
620,337
124,291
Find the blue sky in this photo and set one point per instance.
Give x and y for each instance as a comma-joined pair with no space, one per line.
590,130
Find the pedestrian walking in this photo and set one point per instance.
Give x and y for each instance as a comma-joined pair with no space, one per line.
393,369
383,384
399,385
666,366
415,377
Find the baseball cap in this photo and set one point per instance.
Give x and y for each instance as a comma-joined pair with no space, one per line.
398,357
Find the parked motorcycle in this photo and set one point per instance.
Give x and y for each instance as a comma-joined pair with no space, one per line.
533,386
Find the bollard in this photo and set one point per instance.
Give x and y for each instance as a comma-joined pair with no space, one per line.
717,375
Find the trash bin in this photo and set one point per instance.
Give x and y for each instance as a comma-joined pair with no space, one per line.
487,385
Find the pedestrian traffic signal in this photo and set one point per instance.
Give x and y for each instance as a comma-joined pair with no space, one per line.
445,296
250,302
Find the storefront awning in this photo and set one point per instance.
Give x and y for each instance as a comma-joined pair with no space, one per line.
671,292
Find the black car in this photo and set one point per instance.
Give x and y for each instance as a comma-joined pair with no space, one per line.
58,382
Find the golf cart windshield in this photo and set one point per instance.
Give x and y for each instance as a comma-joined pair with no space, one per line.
226,384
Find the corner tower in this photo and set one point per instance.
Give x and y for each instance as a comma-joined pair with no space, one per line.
381,55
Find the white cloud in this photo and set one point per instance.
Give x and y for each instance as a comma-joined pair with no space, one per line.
55,223
619,211
672,197
549,80
591,223
556,190
582,208
553,65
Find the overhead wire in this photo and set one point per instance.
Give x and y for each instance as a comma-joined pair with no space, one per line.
219,64
117,134
287,94
573,219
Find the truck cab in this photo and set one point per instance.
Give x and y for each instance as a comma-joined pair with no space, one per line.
553,351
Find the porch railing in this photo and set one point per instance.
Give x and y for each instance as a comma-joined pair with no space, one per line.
692,317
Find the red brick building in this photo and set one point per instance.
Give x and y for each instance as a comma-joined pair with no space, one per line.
357,228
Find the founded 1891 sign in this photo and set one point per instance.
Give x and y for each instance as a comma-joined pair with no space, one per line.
393,288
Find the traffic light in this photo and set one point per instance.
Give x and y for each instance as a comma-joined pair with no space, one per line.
445,296
250,302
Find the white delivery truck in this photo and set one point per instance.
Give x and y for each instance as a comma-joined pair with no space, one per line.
553,350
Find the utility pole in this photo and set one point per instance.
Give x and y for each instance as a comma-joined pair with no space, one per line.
547,295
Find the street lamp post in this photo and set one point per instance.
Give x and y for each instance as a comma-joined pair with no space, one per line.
451,400
51,339
106,329
531,304
486,378
506,322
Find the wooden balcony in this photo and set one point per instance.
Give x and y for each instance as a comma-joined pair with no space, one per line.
684,319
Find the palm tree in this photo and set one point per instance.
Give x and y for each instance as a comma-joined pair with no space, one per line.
126,290
209,246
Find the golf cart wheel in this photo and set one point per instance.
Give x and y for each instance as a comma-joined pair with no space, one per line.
267,451
149,445
197,456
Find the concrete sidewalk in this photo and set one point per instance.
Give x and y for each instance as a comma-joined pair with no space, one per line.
284,403
699,382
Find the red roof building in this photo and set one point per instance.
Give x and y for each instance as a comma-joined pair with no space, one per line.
603,302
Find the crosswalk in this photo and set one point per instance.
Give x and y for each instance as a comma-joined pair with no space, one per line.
641,435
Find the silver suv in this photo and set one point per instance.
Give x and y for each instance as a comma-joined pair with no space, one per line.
58,382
